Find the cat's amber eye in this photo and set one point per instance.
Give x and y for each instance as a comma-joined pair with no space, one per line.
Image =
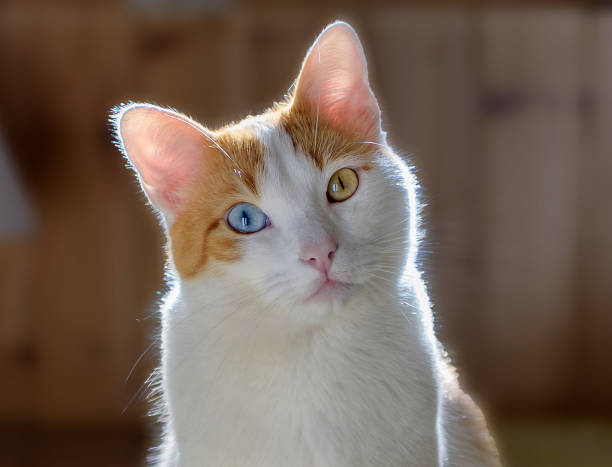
342,185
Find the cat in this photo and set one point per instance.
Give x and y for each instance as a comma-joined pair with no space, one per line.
297,330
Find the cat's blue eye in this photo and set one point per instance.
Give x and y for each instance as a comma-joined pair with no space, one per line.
246,218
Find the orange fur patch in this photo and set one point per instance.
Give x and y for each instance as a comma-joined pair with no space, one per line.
320,141
200,233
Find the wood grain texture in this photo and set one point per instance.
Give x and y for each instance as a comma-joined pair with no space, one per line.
531,148
593,305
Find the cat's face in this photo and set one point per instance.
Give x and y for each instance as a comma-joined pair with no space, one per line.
299,207
313,249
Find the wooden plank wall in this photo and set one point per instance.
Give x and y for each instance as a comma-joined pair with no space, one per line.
505,115
530,153
593,299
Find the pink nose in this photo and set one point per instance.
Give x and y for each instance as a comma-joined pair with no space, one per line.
319,255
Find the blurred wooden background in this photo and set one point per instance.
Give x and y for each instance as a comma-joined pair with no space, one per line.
506,114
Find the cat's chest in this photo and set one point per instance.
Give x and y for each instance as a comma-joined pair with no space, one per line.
327,405
305,419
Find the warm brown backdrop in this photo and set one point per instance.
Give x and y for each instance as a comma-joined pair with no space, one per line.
507,115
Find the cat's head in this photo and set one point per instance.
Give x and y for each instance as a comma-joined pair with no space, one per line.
300,206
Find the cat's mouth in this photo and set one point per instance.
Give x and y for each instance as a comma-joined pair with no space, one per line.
328,290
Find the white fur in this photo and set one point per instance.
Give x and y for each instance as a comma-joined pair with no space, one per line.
253,376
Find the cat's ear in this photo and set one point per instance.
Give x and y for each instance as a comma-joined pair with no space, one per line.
167,150
333,83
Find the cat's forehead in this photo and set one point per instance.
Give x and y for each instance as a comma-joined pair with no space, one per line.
294,139
297,151
324,144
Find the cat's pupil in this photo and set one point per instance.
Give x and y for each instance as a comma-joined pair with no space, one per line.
245,219
341,183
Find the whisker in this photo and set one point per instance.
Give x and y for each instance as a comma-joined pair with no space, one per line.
149,347
139,393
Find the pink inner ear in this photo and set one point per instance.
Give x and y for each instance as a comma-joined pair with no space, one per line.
334,83
167,150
